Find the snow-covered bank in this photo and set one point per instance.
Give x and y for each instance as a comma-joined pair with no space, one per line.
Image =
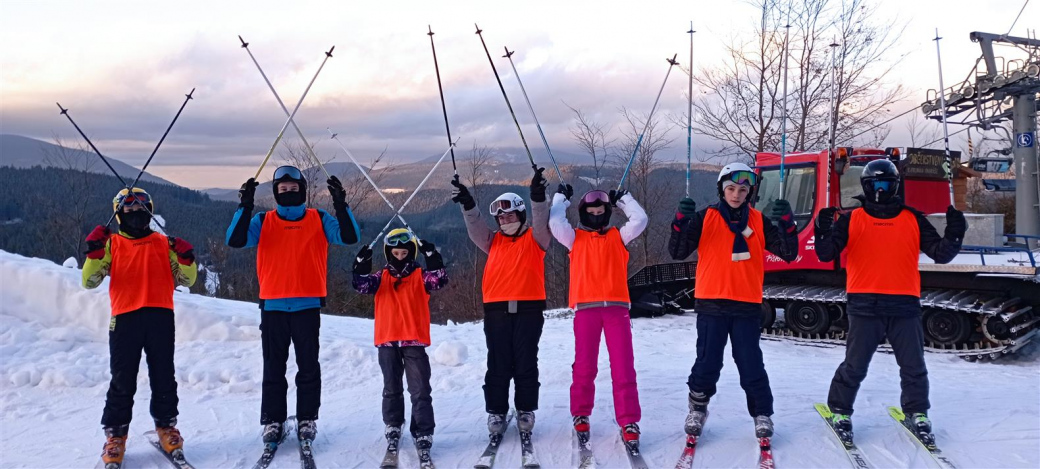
54,375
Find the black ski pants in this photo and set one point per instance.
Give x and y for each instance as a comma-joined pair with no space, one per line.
277,330
712,332
906,334
512,343
150,330
412,361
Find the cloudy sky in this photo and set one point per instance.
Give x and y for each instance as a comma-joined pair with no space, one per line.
123,67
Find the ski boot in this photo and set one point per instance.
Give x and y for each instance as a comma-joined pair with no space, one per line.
698,403
496,424
424,442
307,430
272,433
115,446
525,421
581,423
169,437
630,435
842,425
922,427
392,433
763,426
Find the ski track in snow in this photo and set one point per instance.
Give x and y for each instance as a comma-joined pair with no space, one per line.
54,376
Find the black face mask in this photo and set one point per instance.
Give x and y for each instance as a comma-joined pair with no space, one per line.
398,265
290,199
135,223
595,222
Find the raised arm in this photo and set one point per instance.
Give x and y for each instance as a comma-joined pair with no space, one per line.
637,219
942,250
343,229
540,210
686,230
559,226
831,236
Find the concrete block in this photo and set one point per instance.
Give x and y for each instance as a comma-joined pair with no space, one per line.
984,229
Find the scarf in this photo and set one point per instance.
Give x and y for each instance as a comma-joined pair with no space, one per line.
737,219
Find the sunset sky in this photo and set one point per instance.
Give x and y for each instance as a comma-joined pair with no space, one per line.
123,67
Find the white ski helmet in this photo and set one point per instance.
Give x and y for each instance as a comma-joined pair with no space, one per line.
734,171
509,202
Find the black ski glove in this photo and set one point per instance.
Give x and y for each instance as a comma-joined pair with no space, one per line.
566,190
781,212
245,194
338,194
616,195
825,220
956,224
687,207
363,261
461,195
433,257
538,186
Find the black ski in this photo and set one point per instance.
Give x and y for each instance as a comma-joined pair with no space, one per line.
856,456
176,457
585,457
635,458
926,442
487,458
527,455
306,452
392,447
271,448
425,460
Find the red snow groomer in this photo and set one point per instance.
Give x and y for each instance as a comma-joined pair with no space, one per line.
982,305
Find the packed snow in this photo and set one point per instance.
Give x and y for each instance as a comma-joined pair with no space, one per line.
54,375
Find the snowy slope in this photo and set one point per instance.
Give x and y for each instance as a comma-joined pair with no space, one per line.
54,372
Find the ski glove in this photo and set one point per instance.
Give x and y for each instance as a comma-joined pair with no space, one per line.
338,194
825,220
687,207
566,190
956,224
245,194
782,214
615,196
461,195
538,186
363,261
433,258
184,250
96,241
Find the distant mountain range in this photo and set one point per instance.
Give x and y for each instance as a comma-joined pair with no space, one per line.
24,152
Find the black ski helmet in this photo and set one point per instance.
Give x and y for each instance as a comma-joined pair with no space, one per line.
289,174
594,198
880,180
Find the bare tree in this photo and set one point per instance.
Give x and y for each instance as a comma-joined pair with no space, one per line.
296,154
479,158
920,130
591,137
67,229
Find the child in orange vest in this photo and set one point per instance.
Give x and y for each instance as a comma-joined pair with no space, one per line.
599,297
402,327
144,267
732,239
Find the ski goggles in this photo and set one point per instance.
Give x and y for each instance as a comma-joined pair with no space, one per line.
135,198
596,196
399,239
748,178
289,172
884,185
499,207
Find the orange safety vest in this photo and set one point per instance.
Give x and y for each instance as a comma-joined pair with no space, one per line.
718,277
599,268
882,254
140,273
515,269
402,311
292,257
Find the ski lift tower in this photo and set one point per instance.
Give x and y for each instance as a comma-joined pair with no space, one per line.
1005,90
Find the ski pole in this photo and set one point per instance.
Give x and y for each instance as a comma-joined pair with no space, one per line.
65,112
504,96
649,118
157,145
783,125
509,55
290,119
689,117
364,173
942,103
410,197
831,126
444,108
310,150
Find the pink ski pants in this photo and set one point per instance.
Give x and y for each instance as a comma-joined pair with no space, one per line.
613,321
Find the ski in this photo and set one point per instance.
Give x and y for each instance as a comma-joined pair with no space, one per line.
586,459
527,457
306,447
487,458
390,457
765,454
940,459
856,456
101,465
635,458
271,448
686,460
425,461
176,457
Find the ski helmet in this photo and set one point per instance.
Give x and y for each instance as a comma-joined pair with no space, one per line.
594,198
509,202
125,198
738,173
880,180
400,238
289,174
